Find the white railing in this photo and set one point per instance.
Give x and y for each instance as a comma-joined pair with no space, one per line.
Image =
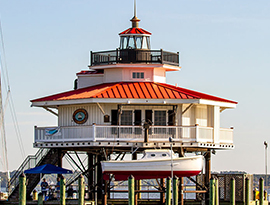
226,135
130,133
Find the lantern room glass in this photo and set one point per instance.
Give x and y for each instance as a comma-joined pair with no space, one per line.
135,42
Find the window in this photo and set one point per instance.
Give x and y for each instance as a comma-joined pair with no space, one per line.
153,155
138,75
138,42
164,155
160,117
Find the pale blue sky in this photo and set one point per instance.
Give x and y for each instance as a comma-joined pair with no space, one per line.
224,47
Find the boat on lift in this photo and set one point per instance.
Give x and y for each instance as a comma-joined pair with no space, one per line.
154,164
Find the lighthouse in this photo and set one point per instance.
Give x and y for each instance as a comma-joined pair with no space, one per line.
122,105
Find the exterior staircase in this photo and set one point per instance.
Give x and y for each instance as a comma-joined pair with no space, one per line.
43,156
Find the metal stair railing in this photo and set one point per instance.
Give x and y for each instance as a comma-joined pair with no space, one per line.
30,162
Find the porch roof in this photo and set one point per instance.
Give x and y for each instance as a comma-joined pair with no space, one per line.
132,90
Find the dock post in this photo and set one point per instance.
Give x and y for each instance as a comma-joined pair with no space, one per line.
168,191
181,190
40,199
22,189
131,191
35,195
62,191
216,192
81,190
261,191
212,191
175,190
162,194
232,191
247,190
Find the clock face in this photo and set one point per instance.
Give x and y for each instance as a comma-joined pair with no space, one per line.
80,116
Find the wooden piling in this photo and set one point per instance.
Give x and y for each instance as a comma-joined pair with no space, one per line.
168,191
216,192
212,191
62,191
175,190
162,194
40,199
131,191
81,190
247,191
261,191
232,192
22,189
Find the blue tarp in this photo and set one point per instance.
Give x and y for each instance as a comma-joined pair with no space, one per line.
48,169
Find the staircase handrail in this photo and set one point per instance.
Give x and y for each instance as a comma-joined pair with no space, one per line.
14,180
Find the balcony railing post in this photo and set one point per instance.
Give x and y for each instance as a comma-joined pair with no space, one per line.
91,58
197,132
94,132
161,53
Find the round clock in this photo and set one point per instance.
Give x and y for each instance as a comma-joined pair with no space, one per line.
80,116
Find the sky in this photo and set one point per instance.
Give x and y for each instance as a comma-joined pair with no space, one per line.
224,50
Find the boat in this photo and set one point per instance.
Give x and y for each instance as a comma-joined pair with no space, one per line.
154,164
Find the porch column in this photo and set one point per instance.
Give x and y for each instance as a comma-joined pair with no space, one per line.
99,177
216,124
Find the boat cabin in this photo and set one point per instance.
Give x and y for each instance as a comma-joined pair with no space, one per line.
124,100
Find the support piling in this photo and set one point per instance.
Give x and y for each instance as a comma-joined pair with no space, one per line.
131,191
261,191
216,192
40,199
247,191
175,190
62,191
232,188
22,189
212,192
81,190
168,191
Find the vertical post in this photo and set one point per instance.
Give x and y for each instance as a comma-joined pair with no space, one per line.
94,131
162,194
91,58
22,189
266,146
247,190
261,191
207,172
212,192
35,195
40,199
175,190
216,192
181,185
105,196
81,190
62,191
232,191
197,132
161,53
90,176
131,191
168,191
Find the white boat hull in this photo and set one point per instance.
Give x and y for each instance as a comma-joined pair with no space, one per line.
151,169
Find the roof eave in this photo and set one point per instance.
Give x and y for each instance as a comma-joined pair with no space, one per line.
132,101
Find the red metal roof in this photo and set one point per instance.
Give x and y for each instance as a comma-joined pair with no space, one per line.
132,90
135,31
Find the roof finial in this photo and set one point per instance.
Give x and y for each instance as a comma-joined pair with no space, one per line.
134,7
135,20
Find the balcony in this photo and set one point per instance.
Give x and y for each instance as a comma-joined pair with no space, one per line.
111,133
134,56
